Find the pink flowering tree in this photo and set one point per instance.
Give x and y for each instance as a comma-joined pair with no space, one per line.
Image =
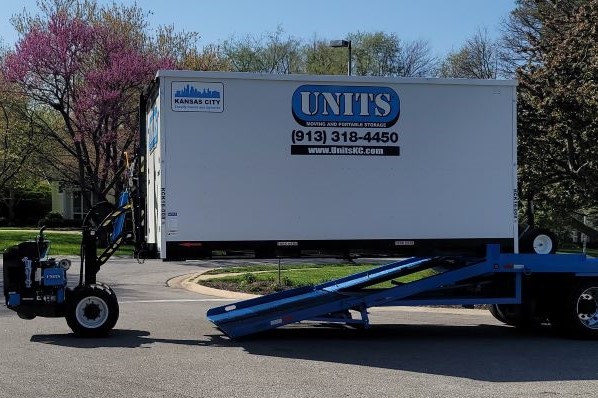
87,74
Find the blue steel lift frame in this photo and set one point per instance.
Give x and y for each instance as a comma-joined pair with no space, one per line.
332,301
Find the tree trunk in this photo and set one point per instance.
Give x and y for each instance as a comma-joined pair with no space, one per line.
10,206
529,212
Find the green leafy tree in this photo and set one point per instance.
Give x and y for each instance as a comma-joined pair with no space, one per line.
555,52
19,138
183,49
87,65
383,54
208,59
26,186
321,59
478,58
16,136
268,53
376,54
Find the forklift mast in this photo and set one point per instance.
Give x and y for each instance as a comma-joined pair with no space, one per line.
138,182
131,200
115,221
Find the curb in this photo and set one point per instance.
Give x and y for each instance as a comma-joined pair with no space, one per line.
188,282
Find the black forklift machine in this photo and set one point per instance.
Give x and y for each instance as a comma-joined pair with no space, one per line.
36,285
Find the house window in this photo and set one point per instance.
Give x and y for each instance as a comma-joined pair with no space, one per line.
81,204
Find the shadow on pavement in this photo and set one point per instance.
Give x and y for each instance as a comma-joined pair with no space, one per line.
484,352
118,338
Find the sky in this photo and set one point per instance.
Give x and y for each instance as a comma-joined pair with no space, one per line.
444,24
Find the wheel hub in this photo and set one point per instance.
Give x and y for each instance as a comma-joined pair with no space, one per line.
92,312
542,244
587,308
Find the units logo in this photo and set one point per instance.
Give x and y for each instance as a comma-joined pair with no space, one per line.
197,97
345,106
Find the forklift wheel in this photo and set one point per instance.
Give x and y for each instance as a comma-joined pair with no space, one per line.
92,310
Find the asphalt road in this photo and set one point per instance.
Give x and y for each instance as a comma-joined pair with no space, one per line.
163,346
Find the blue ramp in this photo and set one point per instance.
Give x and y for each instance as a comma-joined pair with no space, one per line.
308,303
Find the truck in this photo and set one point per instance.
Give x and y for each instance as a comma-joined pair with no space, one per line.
285,164
291,163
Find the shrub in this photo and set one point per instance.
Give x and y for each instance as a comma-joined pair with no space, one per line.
55,220
249,278
286,281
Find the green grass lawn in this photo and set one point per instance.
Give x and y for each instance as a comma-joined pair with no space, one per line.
263,279
589,252
270,267
64,243
300,276
568,249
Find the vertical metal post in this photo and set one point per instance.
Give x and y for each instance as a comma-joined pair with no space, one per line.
91,263
140,181
279,273
349,63
344,43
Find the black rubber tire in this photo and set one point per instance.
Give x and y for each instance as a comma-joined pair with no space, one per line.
576,313
94,218
497,313
105,286
97,214
518,315
92,310
26,316
548,242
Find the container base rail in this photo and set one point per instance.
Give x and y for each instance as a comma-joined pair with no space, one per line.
522,289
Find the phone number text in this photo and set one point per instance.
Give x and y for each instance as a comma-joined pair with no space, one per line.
323,136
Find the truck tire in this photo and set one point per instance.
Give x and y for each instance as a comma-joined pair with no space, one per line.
518,315
538,241
576,314
92,310
497,314
26,315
